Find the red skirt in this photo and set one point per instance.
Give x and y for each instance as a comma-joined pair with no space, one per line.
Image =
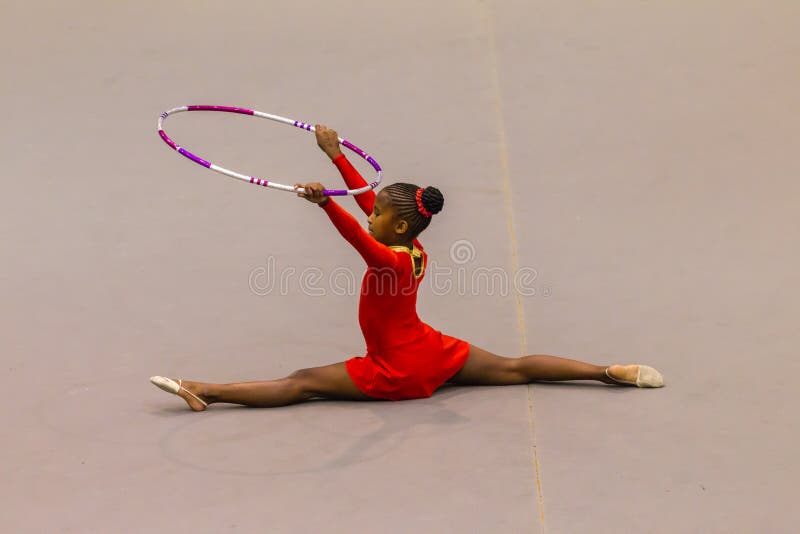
411,371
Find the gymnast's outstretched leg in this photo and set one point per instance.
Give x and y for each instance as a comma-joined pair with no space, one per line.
484,368
330,381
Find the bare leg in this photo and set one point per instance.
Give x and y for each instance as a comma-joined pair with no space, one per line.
484,368
330,381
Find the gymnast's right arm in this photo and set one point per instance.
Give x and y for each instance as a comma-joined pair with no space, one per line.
328,141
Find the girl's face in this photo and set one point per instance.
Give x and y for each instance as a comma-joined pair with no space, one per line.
381,223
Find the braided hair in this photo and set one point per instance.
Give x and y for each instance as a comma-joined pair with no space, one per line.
416,205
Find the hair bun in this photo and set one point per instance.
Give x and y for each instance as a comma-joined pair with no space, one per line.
432,199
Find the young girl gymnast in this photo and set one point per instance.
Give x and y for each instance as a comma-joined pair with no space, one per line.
405,358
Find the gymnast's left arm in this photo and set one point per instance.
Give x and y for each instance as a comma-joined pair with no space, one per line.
375,254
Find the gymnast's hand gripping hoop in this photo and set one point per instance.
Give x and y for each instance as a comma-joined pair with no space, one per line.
258,181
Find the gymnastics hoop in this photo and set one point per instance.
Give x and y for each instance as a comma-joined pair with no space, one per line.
257,181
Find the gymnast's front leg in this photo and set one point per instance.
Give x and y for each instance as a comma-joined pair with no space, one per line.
330,382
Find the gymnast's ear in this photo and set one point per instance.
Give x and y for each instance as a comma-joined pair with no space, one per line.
401,227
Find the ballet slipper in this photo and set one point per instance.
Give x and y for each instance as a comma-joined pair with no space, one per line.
170,386
646,377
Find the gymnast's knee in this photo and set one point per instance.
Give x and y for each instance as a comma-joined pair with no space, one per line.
513,369
301,382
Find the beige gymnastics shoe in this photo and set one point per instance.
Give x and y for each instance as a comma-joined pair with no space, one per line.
646,377
170,386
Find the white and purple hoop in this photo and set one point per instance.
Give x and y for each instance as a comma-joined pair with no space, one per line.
258,181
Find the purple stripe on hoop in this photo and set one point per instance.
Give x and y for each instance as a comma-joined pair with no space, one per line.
229,109
167,140
256,181
194,158
373,163
354,148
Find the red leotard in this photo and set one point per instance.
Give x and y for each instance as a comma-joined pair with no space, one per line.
406,358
